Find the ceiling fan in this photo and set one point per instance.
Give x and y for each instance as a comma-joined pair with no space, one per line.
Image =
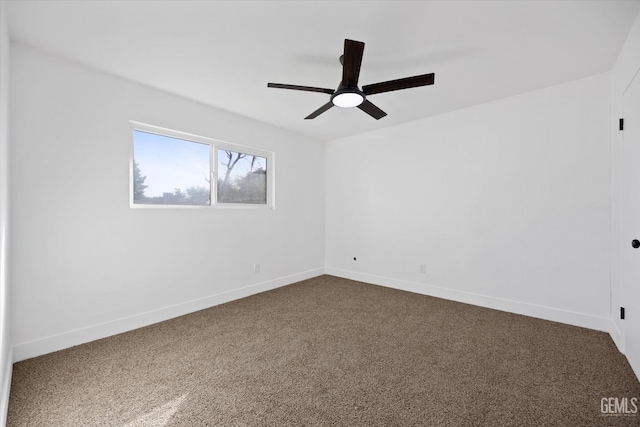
348,94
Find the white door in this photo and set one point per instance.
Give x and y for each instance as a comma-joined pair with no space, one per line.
630,210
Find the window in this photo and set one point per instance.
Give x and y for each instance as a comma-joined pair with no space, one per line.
170,171
171,168
242,177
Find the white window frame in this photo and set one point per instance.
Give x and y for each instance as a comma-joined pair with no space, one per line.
215,145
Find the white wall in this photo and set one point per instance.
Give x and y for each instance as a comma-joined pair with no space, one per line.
85,265
507,204
5,338
625,69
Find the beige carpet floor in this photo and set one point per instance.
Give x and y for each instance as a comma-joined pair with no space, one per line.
330,351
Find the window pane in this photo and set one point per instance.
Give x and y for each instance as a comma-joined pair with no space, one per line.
170,171
242,178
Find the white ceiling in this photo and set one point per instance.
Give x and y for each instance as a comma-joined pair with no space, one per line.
223,53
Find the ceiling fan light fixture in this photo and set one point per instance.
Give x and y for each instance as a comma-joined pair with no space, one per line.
347,98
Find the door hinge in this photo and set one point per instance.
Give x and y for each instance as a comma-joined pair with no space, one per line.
622,313
621,124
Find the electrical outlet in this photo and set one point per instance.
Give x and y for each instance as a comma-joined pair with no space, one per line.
256,268
423,268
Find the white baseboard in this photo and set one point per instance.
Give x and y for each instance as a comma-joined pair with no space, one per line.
616,336
6,388
27,350
598,323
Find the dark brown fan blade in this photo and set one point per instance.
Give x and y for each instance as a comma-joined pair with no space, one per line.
319,111
305,88
406,83
351,62
369,108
